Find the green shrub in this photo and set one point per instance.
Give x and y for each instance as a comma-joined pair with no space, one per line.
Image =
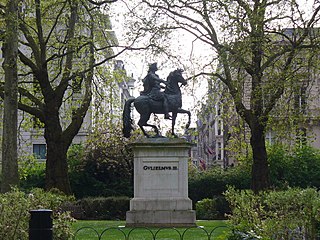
213,182
205,209
209,209
14,213
109,159
84,184
290,214
75,156
102,167
31,173
109,208
299,167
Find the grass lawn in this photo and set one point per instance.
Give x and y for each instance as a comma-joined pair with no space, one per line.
115,230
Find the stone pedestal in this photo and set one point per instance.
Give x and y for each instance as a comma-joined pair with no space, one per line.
161,184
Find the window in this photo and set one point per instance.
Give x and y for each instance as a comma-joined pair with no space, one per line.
219,127
40,151
270,137
218,109
220,151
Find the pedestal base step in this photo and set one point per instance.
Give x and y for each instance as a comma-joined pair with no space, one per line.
161,218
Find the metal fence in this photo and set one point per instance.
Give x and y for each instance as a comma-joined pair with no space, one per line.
41,227
143,233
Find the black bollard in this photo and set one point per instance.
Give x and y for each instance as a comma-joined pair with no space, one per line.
40,225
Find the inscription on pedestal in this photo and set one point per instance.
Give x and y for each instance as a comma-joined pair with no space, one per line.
160,175
160,168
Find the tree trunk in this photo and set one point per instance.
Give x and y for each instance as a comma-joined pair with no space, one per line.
57,147
260,168
10,175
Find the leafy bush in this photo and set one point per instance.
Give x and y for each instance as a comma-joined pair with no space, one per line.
206,209
14,213
83,184
297,168
216,180
290,214
31,173
110,208
102,167
209,209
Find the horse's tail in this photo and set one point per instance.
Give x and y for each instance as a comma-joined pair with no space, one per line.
127,121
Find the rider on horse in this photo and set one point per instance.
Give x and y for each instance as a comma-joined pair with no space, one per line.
152,87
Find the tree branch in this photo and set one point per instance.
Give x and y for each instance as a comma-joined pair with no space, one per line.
55,23
102,2
42,42
70,48
24,59
32,43
32,111
31,97
29,109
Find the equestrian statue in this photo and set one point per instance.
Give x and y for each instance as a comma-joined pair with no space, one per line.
153,100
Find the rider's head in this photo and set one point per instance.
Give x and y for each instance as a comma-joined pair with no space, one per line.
153,67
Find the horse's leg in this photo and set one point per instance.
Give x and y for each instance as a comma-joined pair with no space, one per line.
174,117
144,132
156,130
144,122
180,110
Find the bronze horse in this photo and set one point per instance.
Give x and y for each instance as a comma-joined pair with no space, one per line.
145,106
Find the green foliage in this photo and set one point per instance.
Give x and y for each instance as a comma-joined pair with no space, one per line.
75,156
215,208
110,162
206,209
14,213
31,173
82,183
293,213
297,168
100,170
103,167
213,182
110,208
